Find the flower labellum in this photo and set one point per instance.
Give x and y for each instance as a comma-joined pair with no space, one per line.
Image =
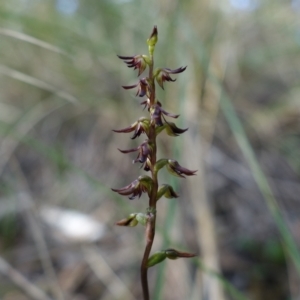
144,150
163,75
157,112
142,86
173,130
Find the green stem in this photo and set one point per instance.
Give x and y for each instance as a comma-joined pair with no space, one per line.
150,227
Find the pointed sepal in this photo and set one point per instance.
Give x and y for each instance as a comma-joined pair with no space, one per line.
176,169
163,75
157,112
144,150
139,62
133,219
142,125
173,254
141,185
173,130
160,164
159,129
156,258
142,87
167,191
130,221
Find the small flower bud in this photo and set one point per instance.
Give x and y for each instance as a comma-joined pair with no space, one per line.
133,219
130,221
156,258
167,191
160,256
152,40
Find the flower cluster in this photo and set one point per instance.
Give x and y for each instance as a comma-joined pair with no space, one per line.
151,126
141,185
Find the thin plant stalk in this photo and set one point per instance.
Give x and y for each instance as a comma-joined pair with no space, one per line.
147,155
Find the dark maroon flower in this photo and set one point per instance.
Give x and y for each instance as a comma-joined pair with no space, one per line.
176,169
141,185
156,112
163,75
142,86
144,150
136,62
139,127
171,129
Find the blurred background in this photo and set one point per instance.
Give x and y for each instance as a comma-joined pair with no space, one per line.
60,98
